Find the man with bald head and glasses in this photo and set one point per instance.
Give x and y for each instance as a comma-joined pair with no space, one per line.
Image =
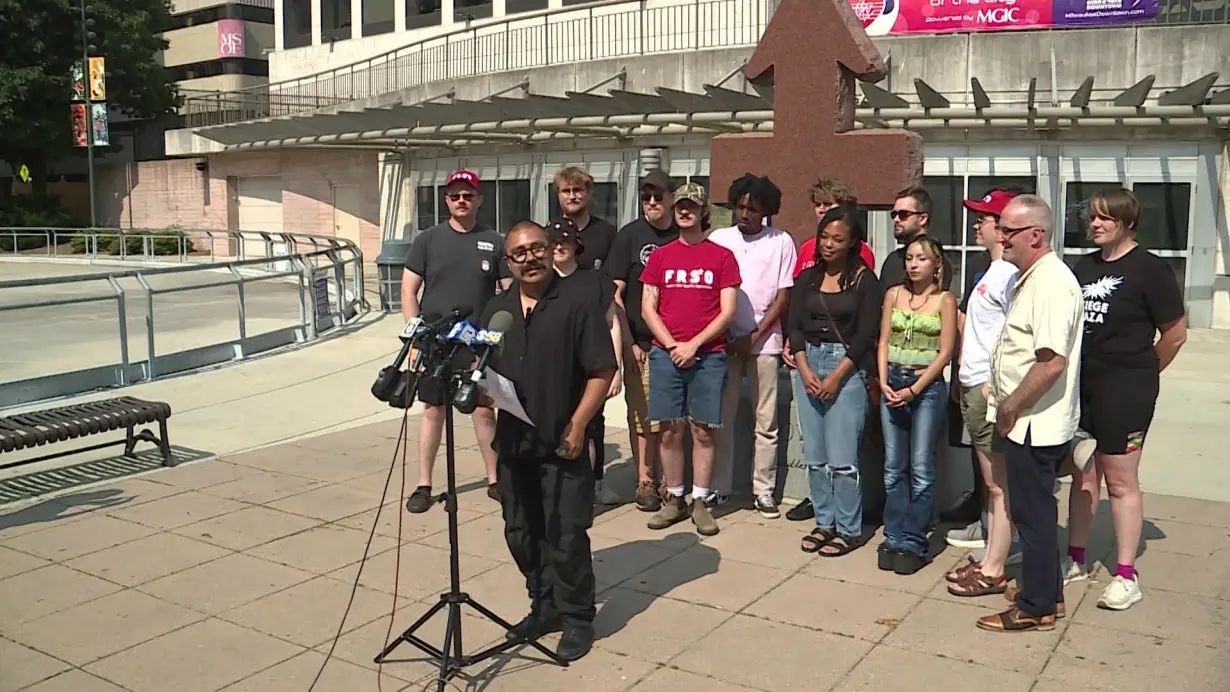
1033,398
456,264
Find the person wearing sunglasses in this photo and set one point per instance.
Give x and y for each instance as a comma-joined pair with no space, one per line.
911,216
633,246
571,260
454,264
1034,398
690,299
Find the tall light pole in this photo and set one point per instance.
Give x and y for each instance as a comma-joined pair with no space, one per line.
86,35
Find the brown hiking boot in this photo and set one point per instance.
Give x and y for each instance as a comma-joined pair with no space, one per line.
673,511
648,496
706,525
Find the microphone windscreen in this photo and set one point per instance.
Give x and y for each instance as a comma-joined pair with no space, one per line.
501,321
464,311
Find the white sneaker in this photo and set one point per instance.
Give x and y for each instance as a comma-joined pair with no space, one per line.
1121,594
968,537
605,496
1072,571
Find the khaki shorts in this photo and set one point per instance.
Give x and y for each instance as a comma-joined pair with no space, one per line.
636,395
982,432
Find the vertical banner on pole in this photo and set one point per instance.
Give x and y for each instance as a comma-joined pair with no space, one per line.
76,78
99,130
81,129
98,79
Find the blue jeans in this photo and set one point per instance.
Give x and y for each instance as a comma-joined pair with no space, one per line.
692,393
832,433
911,433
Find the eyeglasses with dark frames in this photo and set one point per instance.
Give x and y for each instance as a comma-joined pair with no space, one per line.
1010,231
653,196
903,214
521,255
458,196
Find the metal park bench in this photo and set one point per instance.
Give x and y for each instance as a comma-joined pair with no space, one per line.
49,426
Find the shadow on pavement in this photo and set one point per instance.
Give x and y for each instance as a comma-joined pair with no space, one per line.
53,480
52,510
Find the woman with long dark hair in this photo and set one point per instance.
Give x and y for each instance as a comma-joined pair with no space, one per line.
833,319
918,334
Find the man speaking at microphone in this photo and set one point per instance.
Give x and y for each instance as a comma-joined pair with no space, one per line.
558,353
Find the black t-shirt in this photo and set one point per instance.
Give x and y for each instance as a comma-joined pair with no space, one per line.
892,272
597,238
458,269
851,317
549,355
629,253
1126,301
594,285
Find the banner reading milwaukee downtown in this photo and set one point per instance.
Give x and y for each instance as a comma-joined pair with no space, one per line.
884,17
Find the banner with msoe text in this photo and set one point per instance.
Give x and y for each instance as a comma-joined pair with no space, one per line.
888,17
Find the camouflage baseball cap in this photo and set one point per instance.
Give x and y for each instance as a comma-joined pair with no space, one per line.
693,192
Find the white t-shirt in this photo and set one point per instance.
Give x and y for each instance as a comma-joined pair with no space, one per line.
766,265
984,320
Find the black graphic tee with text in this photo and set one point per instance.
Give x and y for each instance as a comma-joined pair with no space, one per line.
629,254
1126,301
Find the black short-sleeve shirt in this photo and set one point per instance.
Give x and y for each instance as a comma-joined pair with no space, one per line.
1126,301
595,285
633,245
458,269
550,355
597,238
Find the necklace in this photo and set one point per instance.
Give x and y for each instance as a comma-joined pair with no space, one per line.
910,301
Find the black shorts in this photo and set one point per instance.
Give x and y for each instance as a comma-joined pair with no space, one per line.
430,392
1117,405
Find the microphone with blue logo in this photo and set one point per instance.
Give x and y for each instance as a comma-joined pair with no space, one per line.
425,334
484,342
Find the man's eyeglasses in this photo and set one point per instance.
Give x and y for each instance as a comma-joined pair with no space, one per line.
522,255
458,196
903,214
1009,231
653,196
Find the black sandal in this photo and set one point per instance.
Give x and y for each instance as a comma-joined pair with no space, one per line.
844,547
817,539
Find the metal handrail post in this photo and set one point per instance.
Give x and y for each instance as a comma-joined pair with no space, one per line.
243,314
121,309
150,371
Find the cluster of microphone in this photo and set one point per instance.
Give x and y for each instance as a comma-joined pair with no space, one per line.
437,341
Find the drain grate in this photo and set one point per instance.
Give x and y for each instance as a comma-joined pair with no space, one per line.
38,483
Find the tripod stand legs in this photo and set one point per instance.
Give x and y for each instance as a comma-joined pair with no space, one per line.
450,658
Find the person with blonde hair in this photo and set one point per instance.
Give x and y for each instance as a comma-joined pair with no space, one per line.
918,334
1134,327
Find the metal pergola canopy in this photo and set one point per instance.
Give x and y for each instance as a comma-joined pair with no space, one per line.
531,117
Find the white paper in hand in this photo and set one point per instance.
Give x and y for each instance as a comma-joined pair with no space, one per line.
503,394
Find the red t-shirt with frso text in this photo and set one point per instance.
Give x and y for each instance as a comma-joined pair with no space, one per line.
690,279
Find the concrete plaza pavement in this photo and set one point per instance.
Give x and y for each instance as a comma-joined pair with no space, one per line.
233,574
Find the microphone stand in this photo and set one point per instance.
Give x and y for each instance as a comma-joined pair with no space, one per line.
450,656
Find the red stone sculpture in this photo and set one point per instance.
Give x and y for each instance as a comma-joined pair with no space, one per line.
810,54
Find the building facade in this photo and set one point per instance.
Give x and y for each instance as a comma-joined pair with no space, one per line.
366,116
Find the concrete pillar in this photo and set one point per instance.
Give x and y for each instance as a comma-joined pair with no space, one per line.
356,18
448,13
279,25
316,30
399,16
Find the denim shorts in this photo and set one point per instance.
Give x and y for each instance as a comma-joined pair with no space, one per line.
692,393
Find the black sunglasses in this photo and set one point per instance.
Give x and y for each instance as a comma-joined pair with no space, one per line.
653,196
903,214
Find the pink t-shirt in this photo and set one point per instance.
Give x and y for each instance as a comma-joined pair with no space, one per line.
807,256
690,279
766,263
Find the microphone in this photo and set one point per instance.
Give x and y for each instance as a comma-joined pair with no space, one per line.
483,342
389,378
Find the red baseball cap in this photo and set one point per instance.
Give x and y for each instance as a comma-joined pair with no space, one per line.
993,203
467,177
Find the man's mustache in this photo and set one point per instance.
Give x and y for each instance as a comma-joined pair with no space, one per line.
535,264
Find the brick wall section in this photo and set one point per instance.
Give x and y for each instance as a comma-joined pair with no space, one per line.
158,194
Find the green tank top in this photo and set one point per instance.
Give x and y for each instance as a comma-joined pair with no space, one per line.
915,340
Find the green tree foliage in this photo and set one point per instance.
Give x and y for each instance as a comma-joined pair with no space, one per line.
39,42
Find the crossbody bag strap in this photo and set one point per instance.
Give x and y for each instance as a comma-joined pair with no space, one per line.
824,304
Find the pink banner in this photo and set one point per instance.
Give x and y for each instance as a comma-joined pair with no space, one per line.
884,17
231,39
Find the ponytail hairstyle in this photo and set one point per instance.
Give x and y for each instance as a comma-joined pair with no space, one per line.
853,261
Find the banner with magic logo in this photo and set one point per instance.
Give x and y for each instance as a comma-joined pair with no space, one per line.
895,17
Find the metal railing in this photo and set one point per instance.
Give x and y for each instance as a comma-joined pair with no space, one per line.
598,31
324,275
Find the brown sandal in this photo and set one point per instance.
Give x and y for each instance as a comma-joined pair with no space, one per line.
974,583
959,573
1013,620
